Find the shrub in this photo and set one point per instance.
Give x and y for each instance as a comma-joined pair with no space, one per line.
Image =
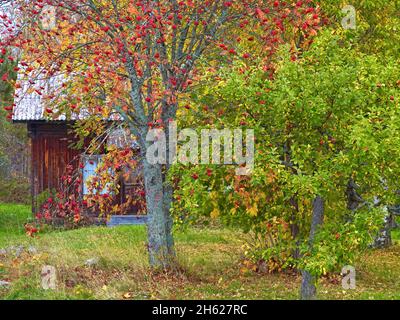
15,191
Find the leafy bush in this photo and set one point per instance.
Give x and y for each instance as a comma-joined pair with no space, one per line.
326,119
15,191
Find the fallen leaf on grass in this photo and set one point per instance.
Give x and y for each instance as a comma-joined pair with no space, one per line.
127,295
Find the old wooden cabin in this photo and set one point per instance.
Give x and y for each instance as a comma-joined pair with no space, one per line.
51,152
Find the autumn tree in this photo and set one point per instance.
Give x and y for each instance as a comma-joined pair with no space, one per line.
328,116
134,58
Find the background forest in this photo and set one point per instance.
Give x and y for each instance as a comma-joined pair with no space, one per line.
14,145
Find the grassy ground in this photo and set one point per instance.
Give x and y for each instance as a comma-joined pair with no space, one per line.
210,259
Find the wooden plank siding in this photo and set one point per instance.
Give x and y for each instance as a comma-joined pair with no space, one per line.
50,156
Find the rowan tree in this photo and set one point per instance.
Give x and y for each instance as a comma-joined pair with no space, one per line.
134,58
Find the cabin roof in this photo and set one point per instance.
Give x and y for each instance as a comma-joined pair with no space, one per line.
29,104
30,108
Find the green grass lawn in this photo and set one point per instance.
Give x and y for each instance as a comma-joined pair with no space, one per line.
12,220
210,259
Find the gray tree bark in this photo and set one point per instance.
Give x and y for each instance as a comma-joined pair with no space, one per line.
308,289
353,198
384,239
158,193
169,222
169,112
355,201
158,198
156,225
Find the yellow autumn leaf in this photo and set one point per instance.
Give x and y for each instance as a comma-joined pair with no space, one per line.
215,213
244,270
253,211
214,195
127,295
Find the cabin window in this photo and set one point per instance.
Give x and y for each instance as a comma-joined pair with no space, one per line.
90,164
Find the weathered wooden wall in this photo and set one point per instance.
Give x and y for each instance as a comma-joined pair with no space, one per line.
50,156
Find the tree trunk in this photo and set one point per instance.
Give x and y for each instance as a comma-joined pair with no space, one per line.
156,224
353,198
308,288
395,211
169,222
384,239
169,113
294,227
